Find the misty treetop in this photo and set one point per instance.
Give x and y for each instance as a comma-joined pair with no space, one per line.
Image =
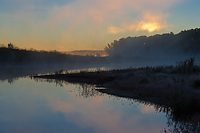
185,43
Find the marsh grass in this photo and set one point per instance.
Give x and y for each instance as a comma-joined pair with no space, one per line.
178,115
157,69
176,87
184,67
59,72
144,80
84,71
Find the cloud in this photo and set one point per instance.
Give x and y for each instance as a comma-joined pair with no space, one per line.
105,14
148,21
101,10
63,21
116,30
121,29
152,21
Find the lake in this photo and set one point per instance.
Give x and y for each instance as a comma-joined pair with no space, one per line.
36,105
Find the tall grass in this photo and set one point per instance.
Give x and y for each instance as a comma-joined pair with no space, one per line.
184,67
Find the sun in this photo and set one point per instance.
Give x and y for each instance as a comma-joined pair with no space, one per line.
149,26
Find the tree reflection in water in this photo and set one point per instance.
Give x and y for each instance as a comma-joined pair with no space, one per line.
85,90
176,122
182,123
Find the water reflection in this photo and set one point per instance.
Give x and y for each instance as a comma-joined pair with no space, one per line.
85,90
49,105
29,106
175,122
183,124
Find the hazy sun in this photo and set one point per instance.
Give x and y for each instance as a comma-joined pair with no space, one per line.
149,26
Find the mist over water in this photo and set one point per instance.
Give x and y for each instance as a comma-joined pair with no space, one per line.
58,105
16,71
142,51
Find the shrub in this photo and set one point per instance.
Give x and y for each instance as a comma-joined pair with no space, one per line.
59,72
196,83
144,80
196,69
83,71
157,69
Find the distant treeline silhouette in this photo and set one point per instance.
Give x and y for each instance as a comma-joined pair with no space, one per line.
185,43
12,54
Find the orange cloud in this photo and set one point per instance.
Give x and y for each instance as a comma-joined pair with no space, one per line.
152,21
115,30
104,15
150,26
148,21
122,29
90,21
104,10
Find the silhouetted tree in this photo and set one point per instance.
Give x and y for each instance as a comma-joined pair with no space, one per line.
10,45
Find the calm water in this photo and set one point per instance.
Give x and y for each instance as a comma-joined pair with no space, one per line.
55,106
28,105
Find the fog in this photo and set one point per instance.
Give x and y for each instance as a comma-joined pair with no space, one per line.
13,72
134,52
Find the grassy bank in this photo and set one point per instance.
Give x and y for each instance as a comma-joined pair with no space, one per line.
177,87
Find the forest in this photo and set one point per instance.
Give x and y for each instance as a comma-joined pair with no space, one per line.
184,44
14,55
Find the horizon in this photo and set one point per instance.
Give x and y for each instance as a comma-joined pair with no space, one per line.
88,50
69,25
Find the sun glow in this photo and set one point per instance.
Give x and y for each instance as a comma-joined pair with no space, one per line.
150,27
147,21
77,24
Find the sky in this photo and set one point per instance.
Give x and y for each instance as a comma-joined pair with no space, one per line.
66,25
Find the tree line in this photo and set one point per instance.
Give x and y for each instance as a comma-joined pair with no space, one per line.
185,43
11,54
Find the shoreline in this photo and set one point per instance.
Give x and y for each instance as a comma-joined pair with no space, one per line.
177,87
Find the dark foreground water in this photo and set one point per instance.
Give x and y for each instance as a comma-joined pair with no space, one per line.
29,105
